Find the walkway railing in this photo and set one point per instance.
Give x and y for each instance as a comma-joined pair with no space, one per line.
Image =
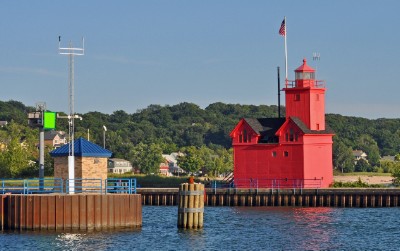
116,185
268,184
58,185
31,186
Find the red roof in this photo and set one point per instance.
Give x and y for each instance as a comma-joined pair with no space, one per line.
304,67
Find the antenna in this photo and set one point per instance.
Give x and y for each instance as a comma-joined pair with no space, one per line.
71,52
316,57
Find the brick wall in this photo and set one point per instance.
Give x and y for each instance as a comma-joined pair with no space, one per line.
85,167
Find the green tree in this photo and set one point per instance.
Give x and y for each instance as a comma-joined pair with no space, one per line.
16,157
342,157
147,158
223,162
370,147
363,166
191,160
396,173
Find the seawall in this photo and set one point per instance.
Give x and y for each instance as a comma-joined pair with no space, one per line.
335,197
64,212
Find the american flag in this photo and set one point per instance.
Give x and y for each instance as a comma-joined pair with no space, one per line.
282,30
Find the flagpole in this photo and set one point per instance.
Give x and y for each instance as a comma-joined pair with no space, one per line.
286,66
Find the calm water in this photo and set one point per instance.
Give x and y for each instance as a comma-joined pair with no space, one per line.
229,228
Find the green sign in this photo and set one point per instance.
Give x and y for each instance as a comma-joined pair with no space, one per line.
49,120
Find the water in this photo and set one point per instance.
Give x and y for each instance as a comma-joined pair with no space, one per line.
233,228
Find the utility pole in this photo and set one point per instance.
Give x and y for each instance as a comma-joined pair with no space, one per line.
71,52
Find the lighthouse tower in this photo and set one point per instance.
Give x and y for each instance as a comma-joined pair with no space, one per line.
305,98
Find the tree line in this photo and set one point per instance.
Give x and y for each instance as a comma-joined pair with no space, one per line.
202,134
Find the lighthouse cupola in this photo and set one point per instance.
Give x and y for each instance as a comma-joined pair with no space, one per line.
305,75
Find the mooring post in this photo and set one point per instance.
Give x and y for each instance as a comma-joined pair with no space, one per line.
191,205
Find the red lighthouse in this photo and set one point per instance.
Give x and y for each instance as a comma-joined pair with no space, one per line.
291,152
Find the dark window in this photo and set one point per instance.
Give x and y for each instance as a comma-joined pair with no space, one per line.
240,138
291,134
287,137
245,136
286,153
273,154
297,97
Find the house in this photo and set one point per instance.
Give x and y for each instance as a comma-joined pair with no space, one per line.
358,154
116,165
295,151
389,158
170,165
54,139
3,123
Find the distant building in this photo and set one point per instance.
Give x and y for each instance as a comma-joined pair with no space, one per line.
119,166
358,154
388,158
55,139
3,123
170,165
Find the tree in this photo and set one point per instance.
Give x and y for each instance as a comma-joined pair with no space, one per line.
147,158
223,162
363,166
17,156
370,147
342,157
191,160
396,173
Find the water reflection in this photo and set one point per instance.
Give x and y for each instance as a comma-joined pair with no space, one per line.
232,228
314,224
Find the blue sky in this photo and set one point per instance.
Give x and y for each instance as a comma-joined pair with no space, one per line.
166,52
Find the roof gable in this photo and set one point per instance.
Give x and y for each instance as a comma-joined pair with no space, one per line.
82,148
303,127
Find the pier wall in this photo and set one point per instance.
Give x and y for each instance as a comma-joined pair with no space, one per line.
359,197
63,212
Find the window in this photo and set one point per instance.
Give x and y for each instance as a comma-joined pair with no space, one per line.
286,137
273,154
291,134
286,153
240,138
296,137
245,136
317,126
296,97
317,97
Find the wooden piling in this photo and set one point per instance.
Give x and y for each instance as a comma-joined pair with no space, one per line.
190,211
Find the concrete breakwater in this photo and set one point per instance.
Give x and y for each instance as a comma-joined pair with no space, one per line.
63,212
335,197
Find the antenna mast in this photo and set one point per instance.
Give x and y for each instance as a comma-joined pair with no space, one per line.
71,52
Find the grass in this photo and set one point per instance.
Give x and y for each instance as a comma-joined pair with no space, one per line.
155,181
336,173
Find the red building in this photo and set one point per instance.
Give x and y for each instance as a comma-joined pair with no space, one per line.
295,151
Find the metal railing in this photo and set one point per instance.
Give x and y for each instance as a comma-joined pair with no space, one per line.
115,185
46,185
266,183
309,82
277,183
84,185
14,186
58,185
31,186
